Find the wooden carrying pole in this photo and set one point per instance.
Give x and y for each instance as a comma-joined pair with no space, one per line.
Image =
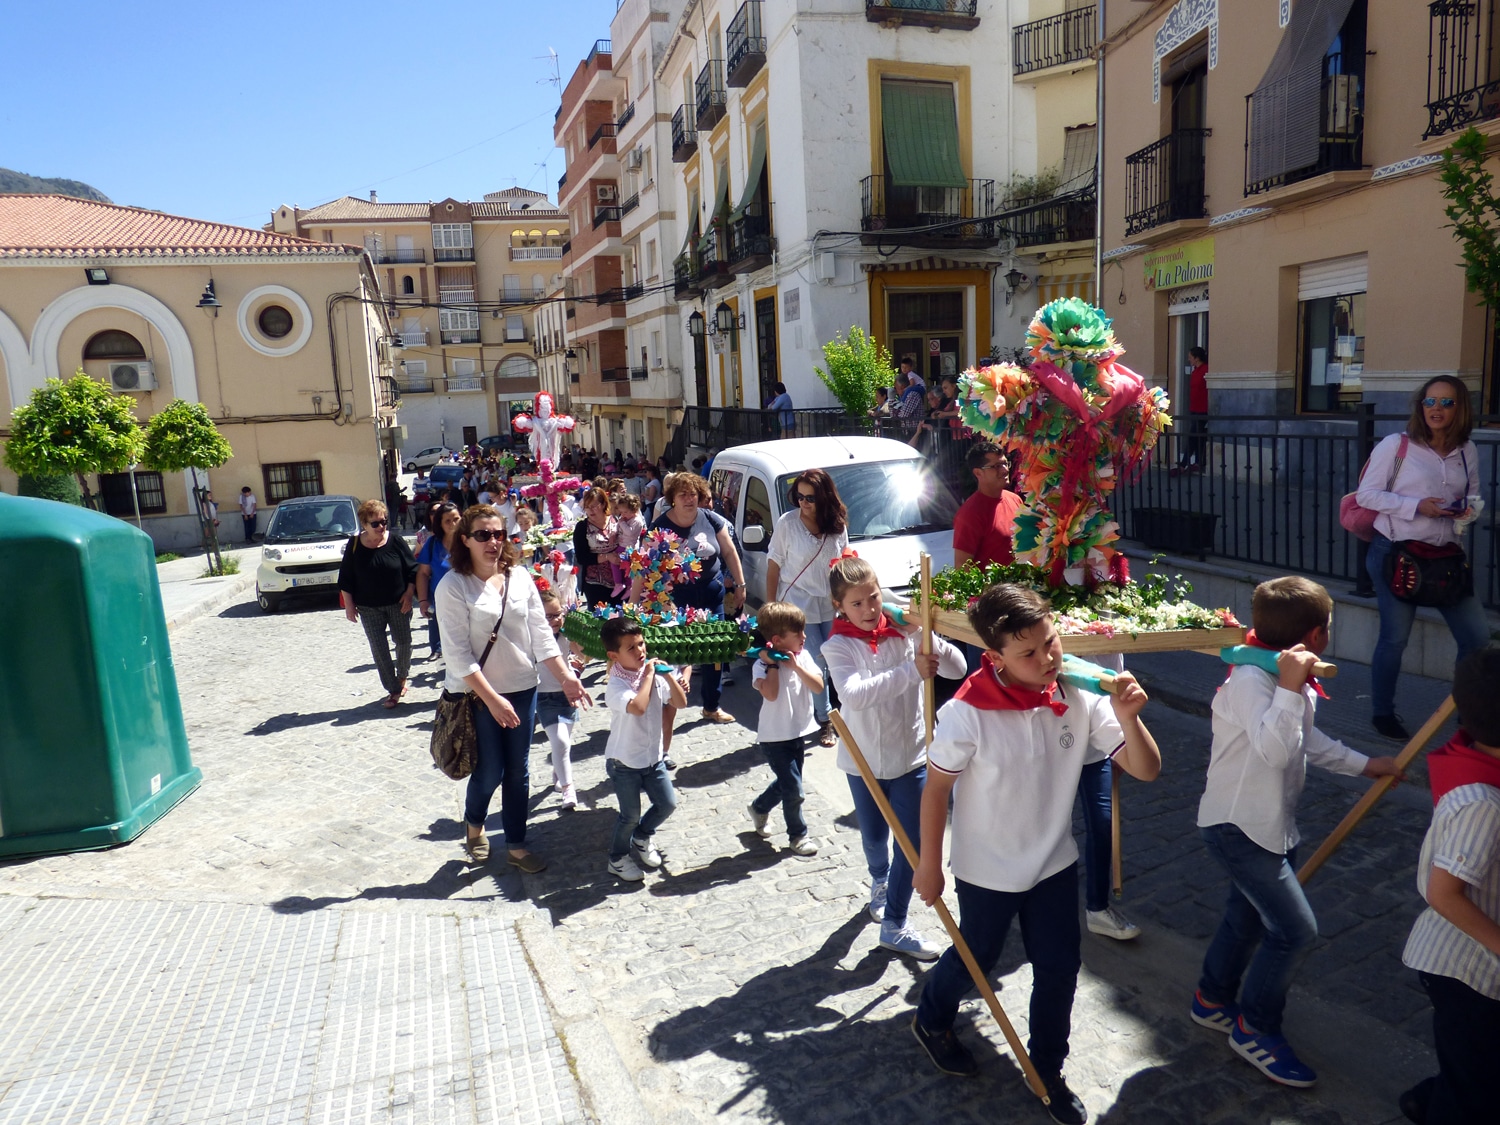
929,689
903,841
1116,859
1408,755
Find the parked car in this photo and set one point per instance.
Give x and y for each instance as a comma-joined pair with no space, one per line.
429,457
497,443
898,508
303,548
437,481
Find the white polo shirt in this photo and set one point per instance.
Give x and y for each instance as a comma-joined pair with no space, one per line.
634,740
1018,778
790,714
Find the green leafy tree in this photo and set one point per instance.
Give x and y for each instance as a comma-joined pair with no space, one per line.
856,366
61,487
77,427
1473,211
183,436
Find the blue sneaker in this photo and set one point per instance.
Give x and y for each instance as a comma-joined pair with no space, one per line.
1220,1017
1272,1055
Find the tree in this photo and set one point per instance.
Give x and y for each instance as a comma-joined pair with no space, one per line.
77,427
60,487
856,366
183,436
1474,213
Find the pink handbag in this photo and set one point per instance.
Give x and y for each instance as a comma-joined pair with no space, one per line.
1358,521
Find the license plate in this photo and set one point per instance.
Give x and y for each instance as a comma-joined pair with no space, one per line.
317,579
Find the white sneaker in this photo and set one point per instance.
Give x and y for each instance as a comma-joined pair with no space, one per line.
569,798
1110,923
907,940
759,820
625,868
803,845
645,853
877,899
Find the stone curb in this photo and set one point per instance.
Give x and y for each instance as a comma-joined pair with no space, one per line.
218,600
603,1078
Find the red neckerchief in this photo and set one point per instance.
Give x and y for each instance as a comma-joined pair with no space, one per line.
985,691
1255,642
1457,763
843,627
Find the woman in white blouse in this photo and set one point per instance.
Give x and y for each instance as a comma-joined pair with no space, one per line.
485,586
1420,499
807,541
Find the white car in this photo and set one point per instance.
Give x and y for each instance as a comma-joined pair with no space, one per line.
304,547
429,457
898,508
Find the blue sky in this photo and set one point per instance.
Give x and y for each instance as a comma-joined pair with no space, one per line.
224,111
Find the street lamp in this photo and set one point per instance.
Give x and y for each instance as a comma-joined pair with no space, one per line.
210,299
695,325
726,320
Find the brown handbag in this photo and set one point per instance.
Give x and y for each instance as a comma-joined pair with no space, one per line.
455,735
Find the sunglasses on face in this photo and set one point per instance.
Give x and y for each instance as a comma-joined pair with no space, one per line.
484,535
1445,403
807,497
378,523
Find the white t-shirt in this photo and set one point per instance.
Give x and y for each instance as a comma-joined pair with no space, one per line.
790,714
467,608
507,512
803,558
247,504
634,740
1018,778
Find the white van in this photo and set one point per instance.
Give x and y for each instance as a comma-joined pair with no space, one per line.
898,507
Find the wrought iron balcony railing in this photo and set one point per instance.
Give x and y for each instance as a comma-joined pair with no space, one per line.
1463,74
630,203
924,214
1340,113
607,131
453,254
713,258
684,133
957,14
615,375
1064,38
387,256
1044,222
604,215
1165,181
638,374
750,242
685,277
625,115
712,96
745,43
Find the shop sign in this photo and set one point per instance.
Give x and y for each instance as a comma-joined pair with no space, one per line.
1190,263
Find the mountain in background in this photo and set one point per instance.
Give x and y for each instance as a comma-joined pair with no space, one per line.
37,185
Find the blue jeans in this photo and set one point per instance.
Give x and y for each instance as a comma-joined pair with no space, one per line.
818,633
552,706
785,759
1466,621
704,595
630,783
1050,935
434,642
905,796
1266,909
504,764
1098,844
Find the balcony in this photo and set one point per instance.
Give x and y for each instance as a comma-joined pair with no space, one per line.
956,14
567,248
416,339
1165,183
1330,139
630,203
388,257
561,182
615,375
713,98
713,259
684,133
632,291
625,116
1050,221
414,384
638,374
685,284
933,217
607,214
453,254
601,47
605,132
745,43
1054,41
536,253
1463,75
750,242
609,296
460,335
464,383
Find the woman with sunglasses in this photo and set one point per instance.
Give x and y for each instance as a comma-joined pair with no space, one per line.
808,539
487,593
433,561
376,582
1419,498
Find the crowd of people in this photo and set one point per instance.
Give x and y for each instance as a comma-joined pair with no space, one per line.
1015,748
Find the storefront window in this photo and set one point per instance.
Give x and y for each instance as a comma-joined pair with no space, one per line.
928,325
1332,353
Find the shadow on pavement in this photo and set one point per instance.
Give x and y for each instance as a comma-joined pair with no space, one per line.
722,871
361,713
712,771
446,881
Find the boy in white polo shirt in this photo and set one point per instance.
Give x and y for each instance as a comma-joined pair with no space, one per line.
635,695
1010,746
787,679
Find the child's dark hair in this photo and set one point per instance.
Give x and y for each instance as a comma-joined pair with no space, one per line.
1004,610
1284,610
846,572
775,619
1475,695
614,631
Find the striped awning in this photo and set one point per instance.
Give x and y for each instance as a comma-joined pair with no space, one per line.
1062,285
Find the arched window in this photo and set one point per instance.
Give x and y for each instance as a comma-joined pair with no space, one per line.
516,367
113,344
408,287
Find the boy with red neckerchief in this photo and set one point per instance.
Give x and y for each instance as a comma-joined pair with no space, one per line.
1263,740
1010,747
1455,943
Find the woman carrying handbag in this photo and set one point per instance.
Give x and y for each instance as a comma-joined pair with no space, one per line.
1422,505
489,607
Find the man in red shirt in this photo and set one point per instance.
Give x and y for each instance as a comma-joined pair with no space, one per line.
1195,449
984,527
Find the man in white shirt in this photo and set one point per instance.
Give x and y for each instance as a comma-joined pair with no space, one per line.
247,512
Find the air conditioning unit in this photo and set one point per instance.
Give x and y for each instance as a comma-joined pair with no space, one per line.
937,201
606,193
133,375
634,159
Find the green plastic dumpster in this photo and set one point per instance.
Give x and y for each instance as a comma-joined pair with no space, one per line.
92,746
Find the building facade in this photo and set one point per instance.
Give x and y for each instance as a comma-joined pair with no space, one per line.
461,282
280,339
1279,203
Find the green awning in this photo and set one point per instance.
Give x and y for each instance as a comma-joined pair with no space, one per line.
757,169
721,198
921,135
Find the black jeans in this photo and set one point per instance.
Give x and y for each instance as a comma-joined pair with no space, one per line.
1466,1030
705,594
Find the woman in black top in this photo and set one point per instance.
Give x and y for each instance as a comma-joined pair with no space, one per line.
376,583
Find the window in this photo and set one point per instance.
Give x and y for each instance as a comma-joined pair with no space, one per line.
724,485
1332,352
458,320
538,285
113,344
651,257
758,506
516,367
412,378
408,287
452,236
926,311
512,287
118,500
275,322
515,328
646,166
290,479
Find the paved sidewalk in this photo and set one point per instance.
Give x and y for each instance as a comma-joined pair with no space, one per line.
187,595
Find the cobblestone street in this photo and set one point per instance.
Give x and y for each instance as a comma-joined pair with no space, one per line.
742,982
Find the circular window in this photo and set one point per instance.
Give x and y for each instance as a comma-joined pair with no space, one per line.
275,322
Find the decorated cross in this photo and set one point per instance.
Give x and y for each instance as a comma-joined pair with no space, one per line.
545,427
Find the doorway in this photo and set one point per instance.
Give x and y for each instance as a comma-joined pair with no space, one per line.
928,325
700,369
471,435
765,347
